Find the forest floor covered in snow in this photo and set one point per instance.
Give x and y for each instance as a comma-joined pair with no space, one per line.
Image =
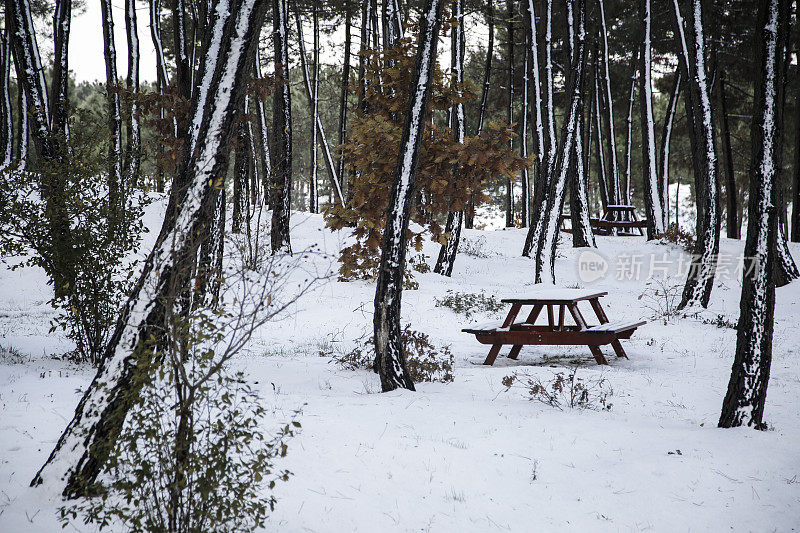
469,455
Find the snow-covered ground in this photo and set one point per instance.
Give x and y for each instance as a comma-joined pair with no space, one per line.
470,456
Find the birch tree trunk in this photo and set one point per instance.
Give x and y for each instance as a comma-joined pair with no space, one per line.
86,442
747,388
548,241
700,279
281,185
653,197
448,251
133,148
390,357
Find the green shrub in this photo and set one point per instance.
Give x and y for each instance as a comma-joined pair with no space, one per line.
425,361
469,304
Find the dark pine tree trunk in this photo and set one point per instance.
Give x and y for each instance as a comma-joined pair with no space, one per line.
510,114
732,210
344,91
62,16
281,189
534,90
747,388
448,251
84,446
116,186
6,116
548,241
666,139
613,178
390,358
264,155
133,147
629,128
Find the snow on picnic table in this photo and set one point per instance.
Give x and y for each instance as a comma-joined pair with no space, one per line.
469,455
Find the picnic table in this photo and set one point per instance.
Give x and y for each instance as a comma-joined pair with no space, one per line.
618,217
555,332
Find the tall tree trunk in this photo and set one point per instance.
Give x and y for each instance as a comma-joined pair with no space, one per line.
795,225
510,114
345,89
162,80
116,186
666,139
62,16
281,189
525,195
732,224
747,388
613,179
629,130
183,66
20,157
390,358
133,148
700,279
6,114
307,83
653,198
469,213
534,86
448,251
264,155
86,442
548,241
602,183
313,194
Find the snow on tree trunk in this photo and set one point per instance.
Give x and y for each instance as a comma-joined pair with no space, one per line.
601,160
747,388
613,179
313,196
525,196
23,134
133,146
6,117
666,139
281,185
307,83
469,214
548,241
84,446
700,279
183,67
116,186
653,199
732,209
629,131
534,86
61,25
344,91
448,251
390,358
263,133
392,21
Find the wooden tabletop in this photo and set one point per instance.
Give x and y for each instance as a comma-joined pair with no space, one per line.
556,296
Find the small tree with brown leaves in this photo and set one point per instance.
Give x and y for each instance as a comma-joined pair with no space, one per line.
372,149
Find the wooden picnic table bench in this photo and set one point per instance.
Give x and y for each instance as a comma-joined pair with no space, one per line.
527,333
618,217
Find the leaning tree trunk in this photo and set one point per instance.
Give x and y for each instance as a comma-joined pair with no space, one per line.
629,128
133,148
653,197
86,442
747,388
390,357
666,139
510,110
6,115
62,16
307,83
548,241
469,212
281,184
116,186
613,179
700,279
448,251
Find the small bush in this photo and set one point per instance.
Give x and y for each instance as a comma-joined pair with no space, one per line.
564,390
474,246
469,304
721,321
675,235
425,361
662,298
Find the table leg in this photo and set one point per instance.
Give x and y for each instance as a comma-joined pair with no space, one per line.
598,355
534,314
514,351
550,319
492,354
561,317
618,348
577,316
512,315
598,310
